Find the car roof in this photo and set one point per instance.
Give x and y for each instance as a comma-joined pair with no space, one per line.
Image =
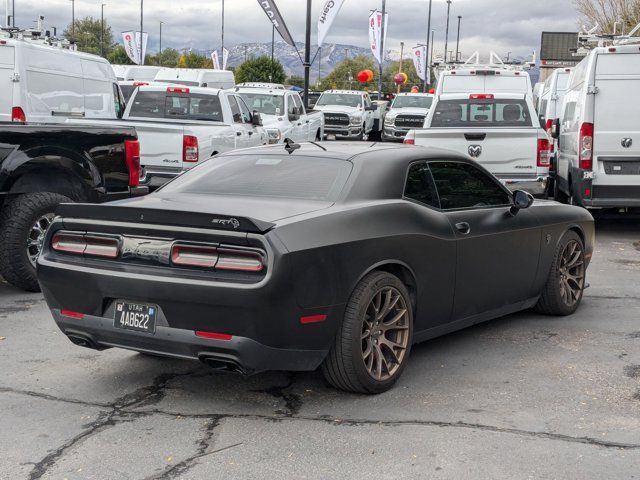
163,87
496,95
349,92
261,90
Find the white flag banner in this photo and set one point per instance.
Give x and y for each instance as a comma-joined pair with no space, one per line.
327,16
215,58
225,58
145,39
420,60
132,45
375,33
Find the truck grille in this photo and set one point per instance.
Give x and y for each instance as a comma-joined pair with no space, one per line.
336,119
410,121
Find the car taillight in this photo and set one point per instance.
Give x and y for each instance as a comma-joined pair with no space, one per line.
544,153
217,258
549,126
17,115
586,146
409,141
481,96
89,245
132,158
140,84
190,148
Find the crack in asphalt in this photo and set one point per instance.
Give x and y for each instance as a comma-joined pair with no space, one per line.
292,401
147,395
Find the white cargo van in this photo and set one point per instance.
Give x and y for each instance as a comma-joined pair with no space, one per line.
48,84
197,77
552,96
484,79
599,131
139,73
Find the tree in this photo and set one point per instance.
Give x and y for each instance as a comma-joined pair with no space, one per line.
260,69
296,81
345,73
194,60
118,56
605,13
86,35
392,70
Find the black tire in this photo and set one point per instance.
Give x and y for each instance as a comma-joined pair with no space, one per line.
345,367
318,136
17,218
553,301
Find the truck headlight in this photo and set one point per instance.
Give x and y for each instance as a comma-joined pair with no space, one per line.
356,120
274,135
389,121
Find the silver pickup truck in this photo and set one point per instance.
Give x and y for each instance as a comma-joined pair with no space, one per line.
500,131
180,126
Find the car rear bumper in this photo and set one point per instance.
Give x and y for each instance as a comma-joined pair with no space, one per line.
613,196
535,186
156,177
239,354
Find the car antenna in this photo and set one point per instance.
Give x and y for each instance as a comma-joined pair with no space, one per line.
318,145
290,146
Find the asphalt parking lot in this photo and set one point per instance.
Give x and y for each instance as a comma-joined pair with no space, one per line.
522,397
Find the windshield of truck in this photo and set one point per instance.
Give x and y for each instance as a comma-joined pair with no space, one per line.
264,103
410,101
481,113
194,106
342,99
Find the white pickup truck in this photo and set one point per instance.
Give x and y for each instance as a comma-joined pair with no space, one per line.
408,111
348,114
283,114
180,126
500,131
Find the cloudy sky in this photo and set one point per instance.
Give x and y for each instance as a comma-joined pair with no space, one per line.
500,25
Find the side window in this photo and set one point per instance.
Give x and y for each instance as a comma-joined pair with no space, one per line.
298,101
291,105
367,101
118,100
244,110
420,186
235,109
462,185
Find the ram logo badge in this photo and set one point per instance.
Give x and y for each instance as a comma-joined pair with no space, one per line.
627,142
475,151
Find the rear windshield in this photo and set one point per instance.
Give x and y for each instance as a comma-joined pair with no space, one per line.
285,176
177,81
410,101
481,113
127,91
190,107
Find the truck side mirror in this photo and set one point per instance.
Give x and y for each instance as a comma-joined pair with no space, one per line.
555,128
256,119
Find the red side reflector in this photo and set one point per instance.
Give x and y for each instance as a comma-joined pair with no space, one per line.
132,158
70,314
587,192
481,96
612,50
17,115
177,90
313,319
214,336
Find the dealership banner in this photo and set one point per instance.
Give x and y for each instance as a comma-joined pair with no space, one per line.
327,16
271,9
375,33
420,60
133,45
215,59
225,58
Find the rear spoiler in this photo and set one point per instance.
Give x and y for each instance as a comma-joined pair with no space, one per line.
178,218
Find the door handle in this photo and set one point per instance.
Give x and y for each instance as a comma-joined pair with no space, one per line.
238,133
464,228
250,133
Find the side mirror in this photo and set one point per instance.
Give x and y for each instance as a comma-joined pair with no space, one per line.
256,119
521,201
372,108
555,128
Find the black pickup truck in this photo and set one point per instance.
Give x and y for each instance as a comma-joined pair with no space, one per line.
42,166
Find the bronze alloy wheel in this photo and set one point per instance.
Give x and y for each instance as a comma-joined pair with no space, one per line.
572,273
36,237
385,333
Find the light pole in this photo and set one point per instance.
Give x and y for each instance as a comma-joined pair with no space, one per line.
102,29
222,52
73,20
458,41
427,59
508,55
307,56
141,32
384,14
273,47
400,67
160,54
446,36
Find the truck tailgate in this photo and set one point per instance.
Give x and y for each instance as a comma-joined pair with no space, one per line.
505,152
160,145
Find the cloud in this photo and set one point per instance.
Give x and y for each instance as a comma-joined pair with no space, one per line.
502,25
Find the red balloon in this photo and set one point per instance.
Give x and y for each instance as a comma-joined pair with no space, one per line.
370,74
363,76
400,78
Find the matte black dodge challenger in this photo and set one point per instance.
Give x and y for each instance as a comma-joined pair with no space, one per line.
339,256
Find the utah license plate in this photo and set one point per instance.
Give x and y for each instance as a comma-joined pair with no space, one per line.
135,316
